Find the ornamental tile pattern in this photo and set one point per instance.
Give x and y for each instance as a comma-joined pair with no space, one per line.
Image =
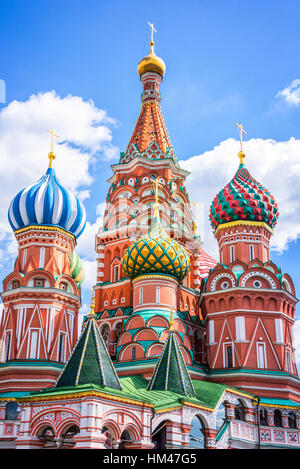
243,198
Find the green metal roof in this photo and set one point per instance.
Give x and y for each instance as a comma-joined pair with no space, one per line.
90,362
170,373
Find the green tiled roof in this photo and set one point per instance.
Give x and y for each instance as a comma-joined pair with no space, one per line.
90,362
170,373
135,388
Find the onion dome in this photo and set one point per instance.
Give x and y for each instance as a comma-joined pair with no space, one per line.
243,199
47,202
77,268
156,253
151,63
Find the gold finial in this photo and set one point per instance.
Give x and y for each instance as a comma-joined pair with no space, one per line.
92,307
152,29
241,153
51,155
195,214
171,328
156,205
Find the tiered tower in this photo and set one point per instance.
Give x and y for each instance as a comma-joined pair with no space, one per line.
148,161
247,302
39,324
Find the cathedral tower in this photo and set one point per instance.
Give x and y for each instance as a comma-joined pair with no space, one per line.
148,175
41,296
247,302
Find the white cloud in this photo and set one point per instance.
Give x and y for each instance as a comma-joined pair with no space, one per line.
274,164
85,132
291,94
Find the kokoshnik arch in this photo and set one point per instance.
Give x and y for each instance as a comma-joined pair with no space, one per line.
178,350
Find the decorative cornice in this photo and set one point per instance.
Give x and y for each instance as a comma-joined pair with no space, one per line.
156,276
245,223
79,394
45,228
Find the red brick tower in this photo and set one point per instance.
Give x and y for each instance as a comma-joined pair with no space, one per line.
247,302
39,324
129,210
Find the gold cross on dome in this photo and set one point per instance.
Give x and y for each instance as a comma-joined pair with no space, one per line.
156,205
152,29
242,131
53,134
51,155
195,214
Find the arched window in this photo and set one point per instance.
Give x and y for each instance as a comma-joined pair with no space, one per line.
277,418
15,284
292,420
11,411
126,439
67,440
220,415
197,434
63,286
105,331
239,411
263,417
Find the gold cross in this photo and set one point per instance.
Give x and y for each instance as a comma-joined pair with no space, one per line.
51,155
242,131
156,205
152,29
195,213
92,307
171,320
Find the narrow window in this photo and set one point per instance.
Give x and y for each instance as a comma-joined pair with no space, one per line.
288,361
141,296
261,362
157,295
240,328
229,362
231,253
33,344
59,260
7,346
24,258
61,347
133,353
279,331
116,273
251,247
42,258
211,332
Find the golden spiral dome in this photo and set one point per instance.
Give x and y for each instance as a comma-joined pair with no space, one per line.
151,63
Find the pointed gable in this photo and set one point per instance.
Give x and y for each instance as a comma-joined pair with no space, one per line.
171,373
90,362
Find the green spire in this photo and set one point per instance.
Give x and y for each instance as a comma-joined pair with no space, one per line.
171,373
90,362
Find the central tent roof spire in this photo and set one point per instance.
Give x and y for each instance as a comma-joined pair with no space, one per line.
150,137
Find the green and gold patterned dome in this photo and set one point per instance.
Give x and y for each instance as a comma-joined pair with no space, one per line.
157,253
77,268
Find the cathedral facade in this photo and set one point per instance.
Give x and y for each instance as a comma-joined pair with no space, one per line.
179,350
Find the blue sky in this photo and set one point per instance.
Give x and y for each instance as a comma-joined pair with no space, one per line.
227,61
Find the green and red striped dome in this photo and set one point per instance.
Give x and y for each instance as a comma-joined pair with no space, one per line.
243,198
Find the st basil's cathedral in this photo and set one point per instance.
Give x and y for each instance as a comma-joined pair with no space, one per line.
178,350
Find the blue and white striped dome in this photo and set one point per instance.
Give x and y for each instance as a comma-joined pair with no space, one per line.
47,202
